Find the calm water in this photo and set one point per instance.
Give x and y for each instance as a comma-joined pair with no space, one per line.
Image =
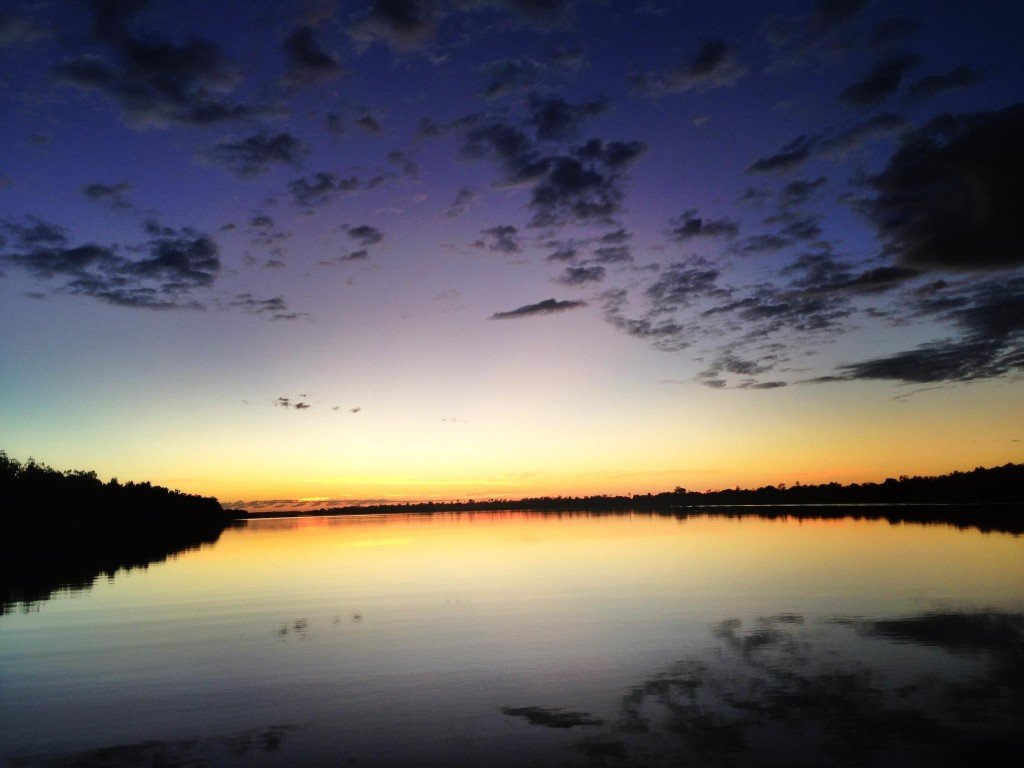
527,639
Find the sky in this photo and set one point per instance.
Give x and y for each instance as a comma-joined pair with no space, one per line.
323,253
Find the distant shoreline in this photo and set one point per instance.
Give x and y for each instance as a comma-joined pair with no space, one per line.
985,517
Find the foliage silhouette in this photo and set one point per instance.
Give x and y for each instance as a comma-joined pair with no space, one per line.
987,499
64,529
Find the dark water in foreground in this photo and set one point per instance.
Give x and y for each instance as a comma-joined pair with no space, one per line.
525,639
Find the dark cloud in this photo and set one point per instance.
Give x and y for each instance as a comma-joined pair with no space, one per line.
505,238
585,185
154,81
308,62
403,24
989,321
793,229
510,76
934,85
406,165
556,119
581,185
789,157
880,83
682,284
616,237
255,154
689,226
546,307
821,273
665,335
334,123
112,194
365,234
713,66
164,272
370,124
310,191
581,275
851,139
799,191
613,254
563,251
273,309
463,199
949,198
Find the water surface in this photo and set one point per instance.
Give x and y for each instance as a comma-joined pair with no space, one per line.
531,639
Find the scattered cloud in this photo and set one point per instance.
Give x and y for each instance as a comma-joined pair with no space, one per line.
934,85
155,82
880,83
788,158
505,238
164,272
581,275
320,188
689,226
255,154
112,194
402,24
365,234
308,61
546,307
713,66
948,197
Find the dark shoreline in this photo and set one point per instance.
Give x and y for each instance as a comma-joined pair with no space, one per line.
987,518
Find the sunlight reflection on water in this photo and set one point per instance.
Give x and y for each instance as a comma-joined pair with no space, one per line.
517,639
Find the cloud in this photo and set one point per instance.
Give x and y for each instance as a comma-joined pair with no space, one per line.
949,198
935,85
255,154
402,24
584,185
878,126
308,62
173,265
581,275
581,184
112,194
613,254
556,119
546,307
370,124
275,308
463,199
510,76
713,66
365,234
310,191
799,191
407,166
880,83
155,82
689,226
789,157
989,319
682,284
506,238
796,229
